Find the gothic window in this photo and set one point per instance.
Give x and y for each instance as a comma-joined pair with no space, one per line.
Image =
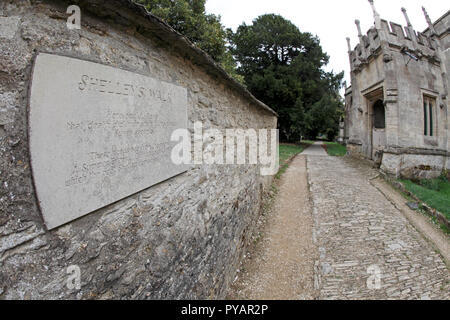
429,116
379,115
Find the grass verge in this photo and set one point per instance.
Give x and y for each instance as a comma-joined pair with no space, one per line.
287,152
400,186
335,149
434,192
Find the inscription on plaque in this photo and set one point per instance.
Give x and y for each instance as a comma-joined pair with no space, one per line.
98,134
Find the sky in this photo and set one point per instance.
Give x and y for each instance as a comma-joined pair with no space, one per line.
331,20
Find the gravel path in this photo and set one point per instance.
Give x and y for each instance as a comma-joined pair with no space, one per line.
281,267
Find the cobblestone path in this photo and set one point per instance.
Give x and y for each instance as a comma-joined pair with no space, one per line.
368,249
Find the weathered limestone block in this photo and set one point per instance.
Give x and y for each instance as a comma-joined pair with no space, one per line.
391,163
413,166
9,27
422,166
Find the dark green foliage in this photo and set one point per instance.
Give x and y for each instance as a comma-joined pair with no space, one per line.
282,67
189,18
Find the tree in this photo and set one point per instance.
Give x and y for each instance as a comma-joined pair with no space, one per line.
324,116
189,18
283,67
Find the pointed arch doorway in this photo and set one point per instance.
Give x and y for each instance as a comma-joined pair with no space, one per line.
378,128
376,123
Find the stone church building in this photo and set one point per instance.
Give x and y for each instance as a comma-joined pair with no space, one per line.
397,106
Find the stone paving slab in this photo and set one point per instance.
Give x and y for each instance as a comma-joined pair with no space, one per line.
368,249
315,150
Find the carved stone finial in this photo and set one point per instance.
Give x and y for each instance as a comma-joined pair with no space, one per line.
358,25
375,15
427,17
408,22
429,22
349,45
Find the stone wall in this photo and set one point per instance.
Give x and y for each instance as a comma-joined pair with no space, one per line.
180,239
413,166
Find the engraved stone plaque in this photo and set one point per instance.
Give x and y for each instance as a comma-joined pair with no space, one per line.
98,134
